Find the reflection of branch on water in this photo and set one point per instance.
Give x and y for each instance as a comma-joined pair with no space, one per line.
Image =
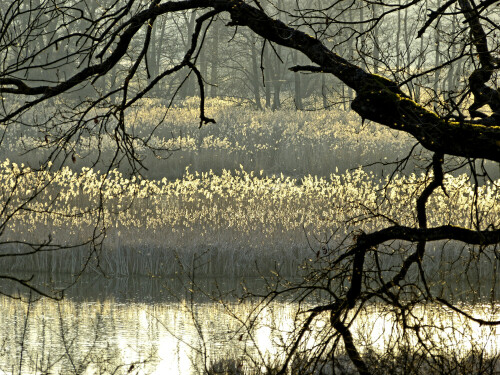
63,337
460,311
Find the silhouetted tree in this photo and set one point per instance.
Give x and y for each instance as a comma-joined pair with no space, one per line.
52,49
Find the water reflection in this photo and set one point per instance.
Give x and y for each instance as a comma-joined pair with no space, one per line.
156,332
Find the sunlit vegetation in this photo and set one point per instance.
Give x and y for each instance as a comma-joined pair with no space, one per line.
237,219
343,154
285,141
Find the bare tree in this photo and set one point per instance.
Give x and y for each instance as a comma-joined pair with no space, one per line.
60,51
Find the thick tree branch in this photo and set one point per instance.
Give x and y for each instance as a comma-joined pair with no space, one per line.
378,99
135,23
483,94
444,232
417,256
468,316
350,348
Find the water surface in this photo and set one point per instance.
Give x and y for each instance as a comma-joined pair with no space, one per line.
156,326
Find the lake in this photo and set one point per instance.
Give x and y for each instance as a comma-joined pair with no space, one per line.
144,325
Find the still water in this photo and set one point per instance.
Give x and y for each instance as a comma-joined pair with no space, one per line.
149,326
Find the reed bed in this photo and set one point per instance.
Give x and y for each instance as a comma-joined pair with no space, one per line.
223,224
291,142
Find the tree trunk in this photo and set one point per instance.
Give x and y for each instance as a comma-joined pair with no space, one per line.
297,83
323,91
214,72
267,77
188,89
255,72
